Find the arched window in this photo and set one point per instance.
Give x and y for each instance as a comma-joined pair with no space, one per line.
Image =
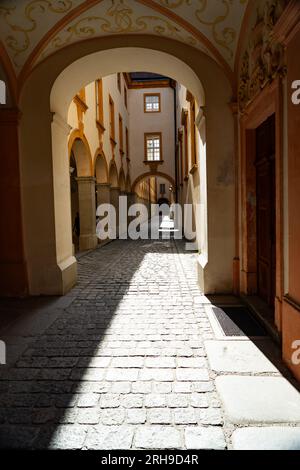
2,92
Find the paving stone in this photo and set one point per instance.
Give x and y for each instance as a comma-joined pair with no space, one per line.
237,356
88,400
141,387
185,416
125,362
112,416
122,387
266,438
110,400
88,416
109,437
122,375
136,416
161,387
67,437
259,399
192,375
160,362
158,437
159,416
191,362
162,375
132,401
178,400
199,400
155,400
203,438
212,416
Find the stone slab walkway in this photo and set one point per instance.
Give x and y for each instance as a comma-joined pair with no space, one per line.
118,363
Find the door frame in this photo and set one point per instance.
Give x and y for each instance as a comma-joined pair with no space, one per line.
268,102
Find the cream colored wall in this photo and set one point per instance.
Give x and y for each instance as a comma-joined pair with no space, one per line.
151,122
110,88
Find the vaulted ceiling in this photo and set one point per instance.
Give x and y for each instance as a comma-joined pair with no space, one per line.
31,30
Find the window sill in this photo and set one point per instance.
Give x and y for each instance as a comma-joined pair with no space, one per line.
100,126
112,141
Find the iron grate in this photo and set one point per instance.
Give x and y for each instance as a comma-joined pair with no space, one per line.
238,321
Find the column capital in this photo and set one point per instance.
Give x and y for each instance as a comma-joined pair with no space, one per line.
103,185
85,179
57,119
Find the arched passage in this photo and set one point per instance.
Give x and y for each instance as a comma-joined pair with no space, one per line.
57,79
101,172
113,175
122,182
147,175
79,147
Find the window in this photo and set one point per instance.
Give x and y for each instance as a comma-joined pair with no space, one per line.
121,135
162,189
119,81
111,118
125,96
99,101
127,143
152,103
153,147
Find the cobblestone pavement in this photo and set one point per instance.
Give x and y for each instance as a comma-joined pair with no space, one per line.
119,362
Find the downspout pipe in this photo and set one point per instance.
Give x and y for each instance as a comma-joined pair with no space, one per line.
174,86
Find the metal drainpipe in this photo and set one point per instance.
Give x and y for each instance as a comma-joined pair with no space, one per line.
173,85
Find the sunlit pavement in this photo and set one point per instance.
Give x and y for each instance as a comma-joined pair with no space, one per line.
121,363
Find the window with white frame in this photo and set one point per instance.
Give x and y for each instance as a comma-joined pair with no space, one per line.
152,103
153,147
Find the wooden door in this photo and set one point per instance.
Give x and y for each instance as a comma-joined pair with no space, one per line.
266,210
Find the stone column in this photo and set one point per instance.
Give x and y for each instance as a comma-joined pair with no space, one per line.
103,193
114,200
87,213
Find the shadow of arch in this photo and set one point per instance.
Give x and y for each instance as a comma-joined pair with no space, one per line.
140,178
101,169
113,178
122,182
79,147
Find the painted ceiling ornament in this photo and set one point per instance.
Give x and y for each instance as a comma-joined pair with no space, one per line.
118,18
19,41
263,60
175,3
225,38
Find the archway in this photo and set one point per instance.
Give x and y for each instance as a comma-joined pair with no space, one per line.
155,174
113,175
83,202
58,78
122,182
101,172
